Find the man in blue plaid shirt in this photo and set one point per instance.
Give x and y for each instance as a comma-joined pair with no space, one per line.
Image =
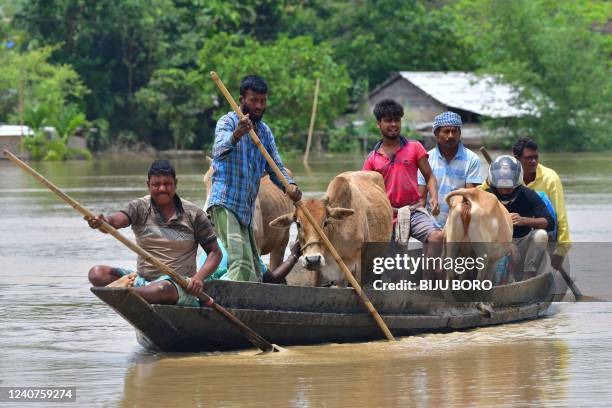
453,165
238,166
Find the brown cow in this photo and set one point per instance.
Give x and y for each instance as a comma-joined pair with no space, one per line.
354,210
477,217
271,202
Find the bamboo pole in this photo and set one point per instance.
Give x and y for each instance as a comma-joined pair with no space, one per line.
486,155
349,276
313,116
249,333
20,109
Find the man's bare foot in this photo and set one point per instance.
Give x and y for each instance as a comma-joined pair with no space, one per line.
126,281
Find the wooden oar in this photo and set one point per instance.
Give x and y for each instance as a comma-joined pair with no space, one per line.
300,205
570,282
249,333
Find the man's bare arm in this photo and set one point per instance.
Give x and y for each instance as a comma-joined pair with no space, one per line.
423,195
117,220
213,258
278,275
538,223
432,185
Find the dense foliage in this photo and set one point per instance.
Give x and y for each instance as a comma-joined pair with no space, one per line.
292,66
138,71
552,51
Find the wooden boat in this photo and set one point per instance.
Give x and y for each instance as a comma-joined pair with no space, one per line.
293,315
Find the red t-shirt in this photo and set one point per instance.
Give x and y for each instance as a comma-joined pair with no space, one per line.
399,171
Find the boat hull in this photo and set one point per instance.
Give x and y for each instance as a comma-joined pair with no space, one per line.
291,315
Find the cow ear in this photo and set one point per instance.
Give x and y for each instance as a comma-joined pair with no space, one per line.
338,213
283,221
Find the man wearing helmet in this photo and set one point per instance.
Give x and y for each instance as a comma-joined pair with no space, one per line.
530,217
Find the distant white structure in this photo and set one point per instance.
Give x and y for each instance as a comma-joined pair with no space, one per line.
11,137
426,94
15,130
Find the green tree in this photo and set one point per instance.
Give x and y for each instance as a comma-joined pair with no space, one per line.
553,54
42,83
68,121
173,97
291,67
116,46
374,38
51,94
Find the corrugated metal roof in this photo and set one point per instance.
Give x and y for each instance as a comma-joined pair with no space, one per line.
15,130
466,91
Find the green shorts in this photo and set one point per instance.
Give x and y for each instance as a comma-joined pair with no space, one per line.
184,298
239,242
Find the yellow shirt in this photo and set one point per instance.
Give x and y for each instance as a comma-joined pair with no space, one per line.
548,181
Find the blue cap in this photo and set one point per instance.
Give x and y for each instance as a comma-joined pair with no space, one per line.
446,119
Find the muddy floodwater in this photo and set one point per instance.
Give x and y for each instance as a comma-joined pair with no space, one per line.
54,332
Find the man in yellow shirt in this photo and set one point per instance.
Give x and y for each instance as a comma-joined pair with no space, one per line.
541,178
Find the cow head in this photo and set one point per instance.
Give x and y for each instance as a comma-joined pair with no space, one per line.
313,249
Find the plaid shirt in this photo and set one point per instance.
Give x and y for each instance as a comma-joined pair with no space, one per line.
238,168
463,169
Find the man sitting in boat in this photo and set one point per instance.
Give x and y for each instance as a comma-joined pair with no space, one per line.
530,217
453,165
398,160
543,179
169,228
276,275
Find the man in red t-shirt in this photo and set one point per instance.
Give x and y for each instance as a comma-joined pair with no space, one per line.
398,160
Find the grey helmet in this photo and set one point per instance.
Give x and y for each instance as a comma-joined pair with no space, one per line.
505,172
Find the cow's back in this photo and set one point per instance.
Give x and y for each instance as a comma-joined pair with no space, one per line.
481,223
271,203
489,219
369,200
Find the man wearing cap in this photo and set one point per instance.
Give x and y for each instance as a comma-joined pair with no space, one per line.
452,164
530,217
